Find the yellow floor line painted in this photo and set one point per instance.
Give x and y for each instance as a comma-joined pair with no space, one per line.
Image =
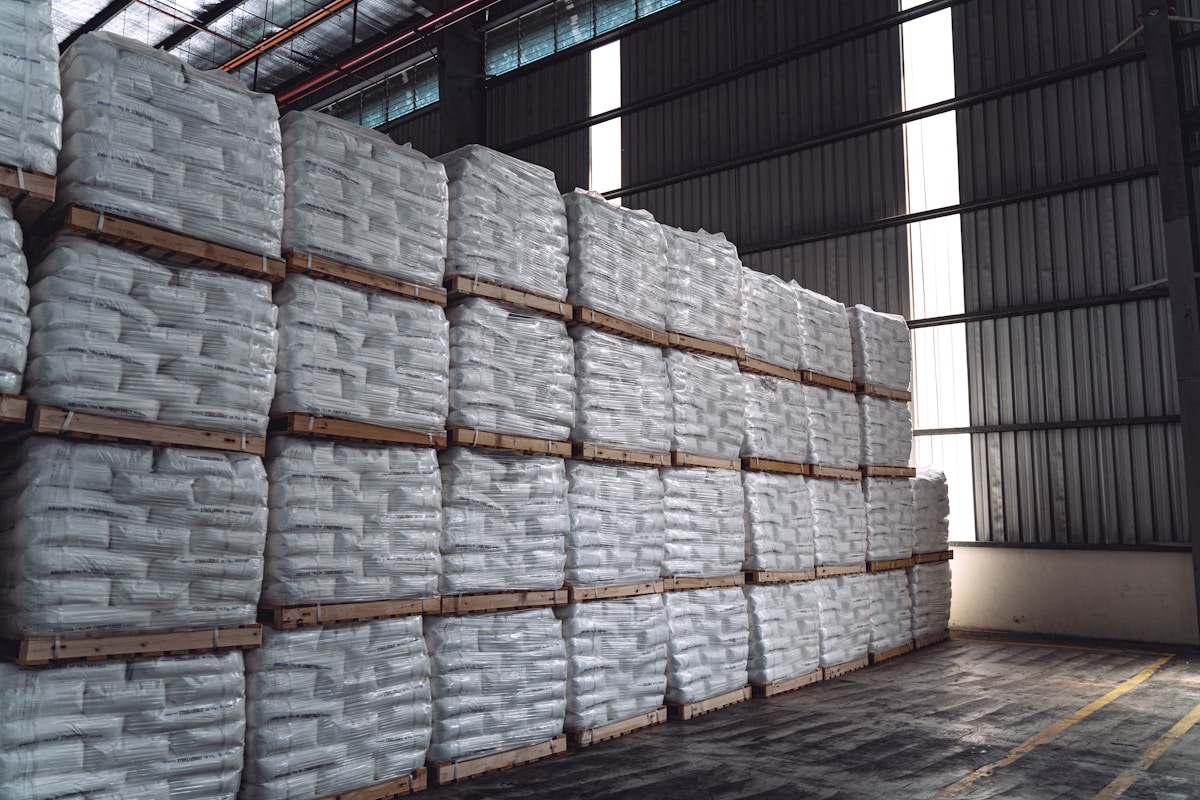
1164,743
1040,738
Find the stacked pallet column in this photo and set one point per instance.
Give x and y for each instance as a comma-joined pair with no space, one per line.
929,577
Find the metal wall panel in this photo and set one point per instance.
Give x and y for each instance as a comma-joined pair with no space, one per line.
566,155
422,129
538,100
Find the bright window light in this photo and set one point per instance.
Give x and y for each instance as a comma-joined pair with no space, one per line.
605,138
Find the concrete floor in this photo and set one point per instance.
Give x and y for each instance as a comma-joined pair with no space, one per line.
926,725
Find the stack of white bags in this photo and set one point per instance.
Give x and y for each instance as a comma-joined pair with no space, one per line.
506,521
770,319
709,644
499,682
882,348
30,104
510,371
507,222
616,659
622,394
118,335
844,604
834,428
361,355
785,632
149,137
707,405
931,511
618,531
929,585
776,423
350,523
839,522
14,297
704,519
886,431
357,197
335,708
705,297
889,505
891,610
618,260
779,522
824,336
153,727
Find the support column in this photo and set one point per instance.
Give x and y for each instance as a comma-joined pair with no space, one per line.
462,105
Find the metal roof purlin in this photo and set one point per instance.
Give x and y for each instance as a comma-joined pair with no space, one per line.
278,38
99,18
200,23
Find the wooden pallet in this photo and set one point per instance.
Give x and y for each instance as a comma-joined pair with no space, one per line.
31,193
399,787
13,408
790,685
160,244
887,565
60,422
619,455
36,651
838,670
461,286
700,707
836,570
871,390
757,464
584,594
299,424
817,379
611,324
895,652
869,471
707,347
614,730
683,584
836,473
765,577
289,617
469,437
679,459
760,367
933,558
448,773
330,270
486,602
931,639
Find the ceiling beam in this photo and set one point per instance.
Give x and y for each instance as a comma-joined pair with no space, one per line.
98,19
285,33
200,23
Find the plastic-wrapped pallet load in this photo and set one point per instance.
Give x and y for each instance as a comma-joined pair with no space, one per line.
30,103
357,197
824,336
929,586
350,523
97,537
506,521
776,422
14,296
844,604
618,532
154,727
361,355
785,631
882,348
151,138
931,511
616,659
118,335
839,522
891,610
705,286
499,682
886,431
618,260
706,534
889,503
707,405
622,394
834,428
335,708
770,319
709,643
779,522
510,372
508,224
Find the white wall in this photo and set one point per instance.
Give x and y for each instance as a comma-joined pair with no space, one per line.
1136,596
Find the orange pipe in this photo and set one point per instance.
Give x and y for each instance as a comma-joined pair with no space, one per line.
307,21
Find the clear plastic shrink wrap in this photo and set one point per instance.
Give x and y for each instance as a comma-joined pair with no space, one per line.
350,523
97,537
30,103
770,319
616,659
708,644
361,355
618,532
618,260
824,335
882,348
151,138
929,586
152,727
707,404
844,604
931,511
779,522
705,286
357,197
834,428
14,295
335,708
508,224
839,522
706,534
886,431
889,503
776,422
506,521
785,631
499,682
891,610
118,335
510,372
622,394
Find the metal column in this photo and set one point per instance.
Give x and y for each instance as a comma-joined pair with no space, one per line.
462,105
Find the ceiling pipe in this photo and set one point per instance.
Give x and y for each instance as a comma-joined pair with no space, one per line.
281,36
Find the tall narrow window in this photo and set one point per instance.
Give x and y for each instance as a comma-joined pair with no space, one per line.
604,146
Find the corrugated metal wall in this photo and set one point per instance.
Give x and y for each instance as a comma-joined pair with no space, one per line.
422,129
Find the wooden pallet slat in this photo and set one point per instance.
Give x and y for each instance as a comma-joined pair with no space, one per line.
618,455
683,711
835,473
470,437
398,787
302,616
688,584
513,600
933,558
889,564
36,651
445,774
585,594
756,464
300,424
621,327
828,381
328,269
766,577
461,286
760,367
680,459
695,344
613,730
13,408
895,652
792,684
836,570
838,670
60,422
872,471
31,193
873,390
931,639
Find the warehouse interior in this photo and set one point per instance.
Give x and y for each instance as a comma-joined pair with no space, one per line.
1016,180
